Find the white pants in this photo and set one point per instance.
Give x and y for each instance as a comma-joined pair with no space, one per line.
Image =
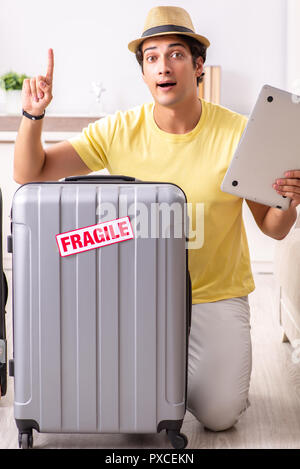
220,362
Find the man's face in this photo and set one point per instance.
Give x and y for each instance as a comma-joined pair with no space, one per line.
168,69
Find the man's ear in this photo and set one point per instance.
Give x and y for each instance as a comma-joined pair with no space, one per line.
199,66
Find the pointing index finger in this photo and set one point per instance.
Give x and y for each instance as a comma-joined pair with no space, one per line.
49,74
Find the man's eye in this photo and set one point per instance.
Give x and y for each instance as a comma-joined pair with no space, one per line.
150,58
176,54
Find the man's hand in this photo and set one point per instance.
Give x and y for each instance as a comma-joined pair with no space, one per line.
289,186
272,221
37,91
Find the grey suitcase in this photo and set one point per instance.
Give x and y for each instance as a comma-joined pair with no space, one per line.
100,337
3,299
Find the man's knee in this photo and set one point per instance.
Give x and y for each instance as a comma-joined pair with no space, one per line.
217,422
223,416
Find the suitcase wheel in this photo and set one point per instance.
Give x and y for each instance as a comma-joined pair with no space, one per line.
177,440
25,440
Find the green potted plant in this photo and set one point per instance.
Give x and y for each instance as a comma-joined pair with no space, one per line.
11,83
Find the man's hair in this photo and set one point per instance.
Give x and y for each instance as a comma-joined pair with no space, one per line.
197,50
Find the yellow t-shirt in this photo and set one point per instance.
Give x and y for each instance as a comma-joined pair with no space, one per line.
130,143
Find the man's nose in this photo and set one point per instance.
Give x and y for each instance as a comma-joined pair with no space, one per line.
163,66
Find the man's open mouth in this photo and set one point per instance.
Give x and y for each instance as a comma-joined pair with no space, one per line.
166,84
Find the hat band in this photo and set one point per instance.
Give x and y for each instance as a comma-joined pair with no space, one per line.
165,28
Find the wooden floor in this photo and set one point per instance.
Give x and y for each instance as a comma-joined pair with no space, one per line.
272,420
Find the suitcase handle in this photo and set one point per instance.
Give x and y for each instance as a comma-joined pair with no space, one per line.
101,177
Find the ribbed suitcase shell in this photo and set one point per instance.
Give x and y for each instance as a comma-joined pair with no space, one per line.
100,338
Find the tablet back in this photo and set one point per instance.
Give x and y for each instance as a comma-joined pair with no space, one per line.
270,146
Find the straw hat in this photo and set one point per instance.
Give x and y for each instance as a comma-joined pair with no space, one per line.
167,20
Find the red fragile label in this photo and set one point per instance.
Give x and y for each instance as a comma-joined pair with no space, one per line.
94,236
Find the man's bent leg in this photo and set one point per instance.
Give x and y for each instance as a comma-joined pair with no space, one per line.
220,362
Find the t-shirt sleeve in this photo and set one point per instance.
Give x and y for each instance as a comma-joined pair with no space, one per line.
93,143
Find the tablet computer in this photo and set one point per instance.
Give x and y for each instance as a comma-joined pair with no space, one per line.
269,146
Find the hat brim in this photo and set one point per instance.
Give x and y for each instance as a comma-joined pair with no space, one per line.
133,45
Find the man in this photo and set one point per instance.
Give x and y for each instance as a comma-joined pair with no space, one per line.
189,142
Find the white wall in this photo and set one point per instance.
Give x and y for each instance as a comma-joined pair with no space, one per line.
292,49
89,38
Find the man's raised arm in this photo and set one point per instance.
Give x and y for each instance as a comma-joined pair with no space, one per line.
31,161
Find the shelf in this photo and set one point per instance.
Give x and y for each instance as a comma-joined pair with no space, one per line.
51,123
